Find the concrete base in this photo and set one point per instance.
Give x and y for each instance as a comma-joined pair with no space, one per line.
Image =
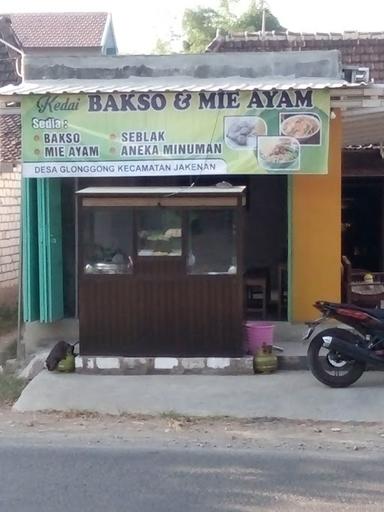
164,365
180,366
39,338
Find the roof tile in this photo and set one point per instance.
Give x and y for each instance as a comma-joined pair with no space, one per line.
359,48
10,138
60,30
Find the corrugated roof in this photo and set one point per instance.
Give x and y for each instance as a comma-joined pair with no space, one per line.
60,30
363,126
172,84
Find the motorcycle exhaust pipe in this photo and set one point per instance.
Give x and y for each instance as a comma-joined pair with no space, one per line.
347,349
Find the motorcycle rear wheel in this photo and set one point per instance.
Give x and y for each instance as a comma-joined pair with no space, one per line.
331,369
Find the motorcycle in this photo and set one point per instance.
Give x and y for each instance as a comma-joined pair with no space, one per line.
338,356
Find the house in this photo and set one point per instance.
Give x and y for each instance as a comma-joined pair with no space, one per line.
10,170
65,33
362,60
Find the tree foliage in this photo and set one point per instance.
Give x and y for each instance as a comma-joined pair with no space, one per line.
162,47
201,24
199,27
251,19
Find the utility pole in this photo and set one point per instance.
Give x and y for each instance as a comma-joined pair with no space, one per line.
262,6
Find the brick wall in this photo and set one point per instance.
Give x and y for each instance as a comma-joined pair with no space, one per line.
9,233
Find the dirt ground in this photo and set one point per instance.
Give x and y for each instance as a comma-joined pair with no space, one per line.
172,431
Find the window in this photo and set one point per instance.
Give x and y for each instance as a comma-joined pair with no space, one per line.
107,241
212,242
159,232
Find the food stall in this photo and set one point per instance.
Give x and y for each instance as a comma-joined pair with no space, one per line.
137,268
150,279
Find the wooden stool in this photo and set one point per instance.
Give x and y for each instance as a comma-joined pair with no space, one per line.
256,295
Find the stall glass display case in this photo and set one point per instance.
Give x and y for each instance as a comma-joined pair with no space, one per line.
159,232
204,256
107,240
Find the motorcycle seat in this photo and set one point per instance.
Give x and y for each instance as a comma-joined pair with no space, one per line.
376,312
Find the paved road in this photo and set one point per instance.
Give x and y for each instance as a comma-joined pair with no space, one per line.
36,477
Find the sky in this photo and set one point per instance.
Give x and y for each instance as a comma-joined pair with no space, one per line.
138,24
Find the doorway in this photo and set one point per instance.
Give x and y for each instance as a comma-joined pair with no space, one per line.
362,222
266,247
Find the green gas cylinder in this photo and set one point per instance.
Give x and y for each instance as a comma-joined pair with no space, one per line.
264,361
67,364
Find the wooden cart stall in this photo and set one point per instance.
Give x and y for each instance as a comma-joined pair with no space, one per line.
160,271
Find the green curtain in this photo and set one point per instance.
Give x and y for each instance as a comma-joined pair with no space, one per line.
31,308
43,259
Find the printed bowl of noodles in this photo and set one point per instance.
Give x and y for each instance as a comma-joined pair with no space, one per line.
300,126
279,153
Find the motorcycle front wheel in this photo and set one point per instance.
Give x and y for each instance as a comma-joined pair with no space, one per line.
328,366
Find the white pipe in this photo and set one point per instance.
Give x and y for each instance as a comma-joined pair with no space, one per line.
20,348
76,249
15,49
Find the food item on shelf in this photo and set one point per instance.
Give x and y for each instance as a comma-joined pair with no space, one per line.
173,232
